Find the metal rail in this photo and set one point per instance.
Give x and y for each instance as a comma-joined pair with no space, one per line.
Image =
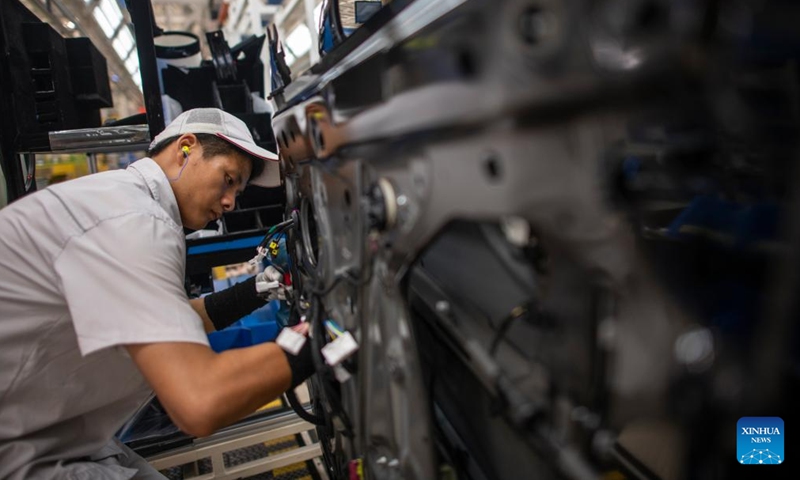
215,446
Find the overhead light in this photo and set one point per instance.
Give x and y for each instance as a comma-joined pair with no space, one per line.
132,63
69,25
137,79
290,59
102,20
111,11
123,43
108,16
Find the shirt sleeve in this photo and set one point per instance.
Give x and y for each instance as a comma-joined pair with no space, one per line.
123,284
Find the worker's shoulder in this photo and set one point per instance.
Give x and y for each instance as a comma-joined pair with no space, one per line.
96,199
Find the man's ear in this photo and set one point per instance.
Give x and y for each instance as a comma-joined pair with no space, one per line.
186,144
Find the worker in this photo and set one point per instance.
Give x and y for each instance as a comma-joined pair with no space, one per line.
94,315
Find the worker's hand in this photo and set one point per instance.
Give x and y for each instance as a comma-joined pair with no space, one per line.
269,284
272,274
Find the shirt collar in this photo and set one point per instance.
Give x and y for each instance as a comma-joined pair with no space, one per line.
158,184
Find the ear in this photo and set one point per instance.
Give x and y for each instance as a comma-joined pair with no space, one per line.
187,143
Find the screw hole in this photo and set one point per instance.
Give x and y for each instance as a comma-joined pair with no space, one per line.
493,168
466,63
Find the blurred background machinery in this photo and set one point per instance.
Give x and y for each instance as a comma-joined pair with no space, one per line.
562,234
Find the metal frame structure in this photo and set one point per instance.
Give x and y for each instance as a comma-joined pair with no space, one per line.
215,446
142,18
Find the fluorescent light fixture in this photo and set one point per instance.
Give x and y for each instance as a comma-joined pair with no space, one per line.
123,43
102,20
111,11
290,59
132,63
299,41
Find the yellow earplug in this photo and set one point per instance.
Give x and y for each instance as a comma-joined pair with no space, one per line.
186,150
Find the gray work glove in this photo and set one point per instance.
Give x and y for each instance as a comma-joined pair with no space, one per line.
269,284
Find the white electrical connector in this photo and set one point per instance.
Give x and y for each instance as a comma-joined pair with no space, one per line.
263,286
339,349
261,253
290,340
341,373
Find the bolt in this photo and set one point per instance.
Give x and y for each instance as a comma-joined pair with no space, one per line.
381,461
695,349
402,200
443,307
394,463
517,230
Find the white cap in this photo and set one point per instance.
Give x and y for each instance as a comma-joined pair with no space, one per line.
226,126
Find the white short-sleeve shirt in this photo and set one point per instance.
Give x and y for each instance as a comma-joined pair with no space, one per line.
86,267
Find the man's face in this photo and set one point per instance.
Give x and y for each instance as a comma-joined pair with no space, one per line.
209,186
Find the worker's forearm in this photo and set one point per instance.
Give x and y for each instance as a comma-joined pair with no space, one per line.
204,391
245,379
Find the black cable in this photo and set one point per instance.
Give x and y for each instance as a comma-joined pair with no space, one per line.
274,230
270,236
309,268
321,292
316,348
301,412
336,23
315,318
318,333
297,281
515,314
284,223
356,282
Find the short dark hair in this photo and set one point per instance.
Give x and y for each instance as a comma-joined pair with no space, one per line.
212,146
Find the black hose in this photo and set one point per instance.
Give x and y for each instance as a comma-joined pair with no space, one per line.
301,412
504,326
317,334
